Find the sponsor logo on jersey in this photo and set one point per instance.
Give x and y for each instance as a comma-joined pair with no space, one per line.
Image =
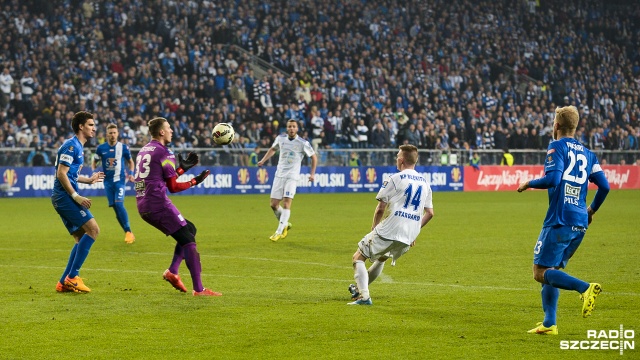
243,176
66,158
551,151
571,195
571,190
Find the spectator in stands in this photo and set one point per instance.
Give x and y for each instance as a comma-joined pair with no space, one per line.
168,60
507,158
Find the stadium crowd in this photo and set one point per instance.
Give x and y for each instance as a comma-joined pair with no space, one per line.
438,74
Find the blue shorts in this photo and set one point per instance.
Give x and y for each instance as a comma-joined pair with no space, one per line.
72,214
556,245
115,191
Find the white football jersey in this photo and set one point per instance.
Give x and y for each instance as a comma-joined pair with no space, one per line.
407,194
291,154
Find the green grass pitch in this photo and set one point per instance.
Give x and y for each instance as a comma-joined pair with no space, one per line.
464,291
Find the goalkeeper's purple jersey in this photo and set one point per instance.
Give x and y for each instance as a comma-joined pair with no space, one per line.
154,163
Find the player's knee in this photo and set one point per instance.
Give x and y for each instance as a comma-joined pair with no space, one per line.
94,232
538,275
358,257
192,228
184,236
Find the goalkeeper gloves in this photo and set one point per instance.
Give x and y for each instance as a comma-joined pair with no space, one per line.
186,164
199,178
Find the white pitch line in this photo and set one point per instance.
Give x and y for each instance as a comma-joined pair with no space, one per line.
282,278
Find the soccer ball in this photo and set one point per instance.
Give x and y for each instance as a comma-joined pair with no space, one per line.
223,134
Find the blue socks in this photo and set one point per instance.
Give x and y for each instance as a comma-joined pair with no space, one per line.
562,280
122,216
82,251
556,280
550,296
72,257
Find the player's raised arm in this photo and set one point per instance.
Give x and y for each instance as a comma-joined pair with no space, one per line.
174,186
267,156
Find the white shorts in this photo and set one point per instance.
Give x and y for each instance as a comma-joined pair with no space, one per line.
283,187
373,247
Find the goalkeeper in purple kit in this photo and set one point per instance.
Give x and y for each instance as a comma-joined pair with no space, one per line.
155,173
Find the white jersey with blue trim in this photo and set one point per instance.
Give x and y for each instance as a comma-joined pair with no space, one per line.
113,160
292,151
407,194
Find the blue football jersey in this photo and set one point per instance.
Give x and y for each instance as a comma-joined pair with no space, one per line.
70,154
568,200
113,160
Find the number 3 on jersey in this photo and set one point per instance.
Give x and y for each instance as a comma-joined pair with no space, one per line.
411,197
142,166
582,166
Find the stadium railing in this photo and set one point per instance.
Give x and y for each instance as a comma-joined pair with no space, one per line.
17,157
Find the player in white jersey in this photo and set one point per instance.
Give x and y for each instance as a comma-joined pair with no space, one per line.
406,198
292,150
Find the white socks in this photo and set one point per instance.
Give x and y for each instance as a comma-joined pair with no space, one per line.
284,220
375,270
278,212
361,276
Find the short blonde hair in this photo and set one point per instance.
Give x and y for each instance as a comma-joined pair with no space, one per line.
409,154
567,119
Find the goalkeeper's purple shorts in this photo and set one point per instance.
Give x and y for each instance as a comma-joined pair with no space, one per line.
168,219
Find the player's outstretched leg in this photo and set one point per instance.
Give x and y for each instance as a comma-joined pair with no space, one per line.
589,299
588,292
375,270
